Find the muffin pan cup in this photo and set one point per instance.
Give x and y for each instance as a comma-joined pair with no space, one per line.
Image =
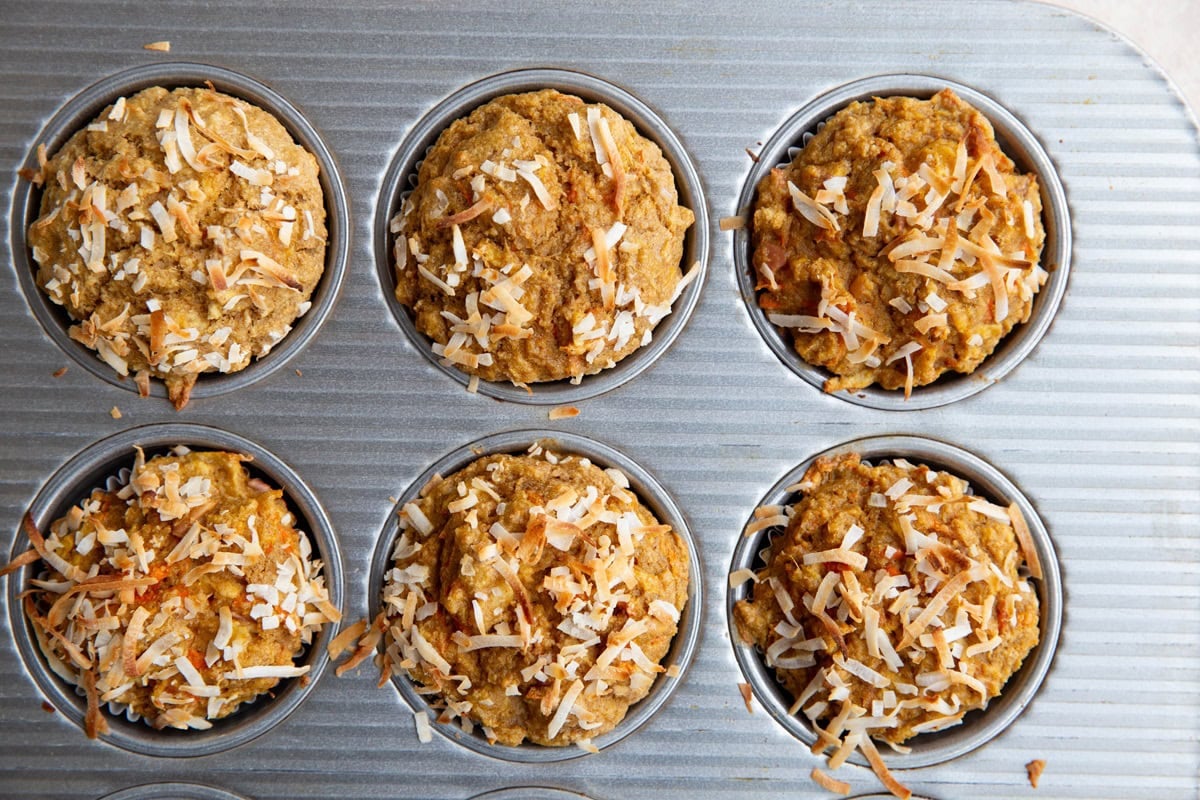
978,727
402,176
530,793
172,791
89,470
81,110
1015,139
651,494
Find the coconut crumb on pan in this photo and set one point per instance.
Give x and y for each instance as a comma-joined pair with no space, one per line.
563,412
747,696
828,782
1035,768
735,223
161,47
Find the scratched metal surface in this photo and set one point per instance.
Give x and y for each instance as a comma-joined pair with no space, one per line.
1099,427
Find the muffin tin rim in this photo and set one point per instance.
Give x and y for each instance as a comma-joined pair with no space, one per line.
423,134
982,726
172,790
1011,131
79,108
649,491
104,458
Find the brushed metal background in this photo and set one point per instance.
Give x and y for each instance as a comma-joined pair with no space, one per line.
1100,427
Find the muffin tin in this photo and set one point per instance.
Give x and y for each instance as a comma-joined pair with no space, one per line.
1097,424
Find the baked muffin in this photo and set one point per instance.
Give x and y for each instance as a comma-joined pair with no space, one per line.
893,602
183,231
533,595
900,244
542,241
180,595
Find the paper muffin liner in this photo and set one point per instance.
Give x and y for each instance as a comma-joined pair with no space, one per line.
652,495
402,176
978,727
1015,139
95,467
79,111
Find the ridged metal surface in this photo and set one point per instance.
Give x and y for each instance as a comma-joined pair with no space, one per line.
1099,427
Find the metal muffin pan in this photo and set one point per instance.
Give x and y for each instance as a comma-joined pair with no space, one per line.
978,727
81,110
1100,425
1015,139
89,470
652,495
402,177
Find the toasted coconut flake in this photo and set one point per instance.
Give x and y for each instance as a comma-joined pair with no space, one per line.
1025,539
925,269
733,223
94,722
894,786
340,643
424,731
435,280
1034,769
216,275
161,47
837,556
563,412
539,189
366,645
929,322
481,207
935,607
1027,217
266,671
564,708
165,222
829,783
740,576
618,168
270,268
811,210
26,558
53,559
183,138
747,696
